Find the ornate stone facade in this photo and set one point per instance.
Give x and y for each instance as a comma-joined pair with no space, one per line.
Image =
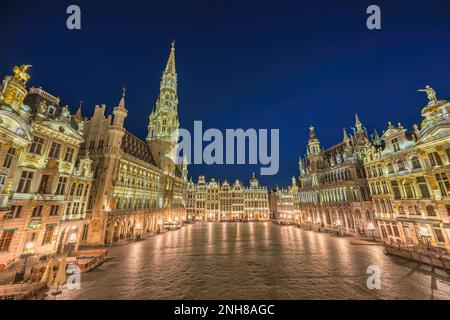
333,190
408,179
39,157
138,186
285,204
214,201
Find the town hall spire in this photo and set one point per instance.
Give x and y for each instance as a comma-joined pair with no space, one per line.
163,122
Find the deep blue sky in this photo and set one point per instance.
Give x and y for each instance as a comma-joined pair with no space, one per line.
241,64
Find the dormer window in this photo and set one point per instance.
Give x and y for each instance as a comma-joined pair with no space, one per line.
395,144
51,110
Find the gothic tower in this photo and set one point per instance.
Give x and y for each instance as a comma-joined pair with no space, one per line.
163,125
313,151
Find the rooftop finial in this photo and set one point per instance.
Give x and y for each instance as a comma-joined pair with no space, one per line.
122,99
173,43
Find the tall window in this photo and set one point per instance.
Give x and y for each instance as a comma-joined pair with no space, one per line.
383,206
37,212
54,210
68,157
54,150
72,190
395,229
9,157
5,240
16,210
80,189
396,190
36,146
409,191
385,189
435,159
430,211
439,235
415,163
85,231
423,187
48,235
68,208
391,210
443,183
61,186
401,166
44,187
76,208
25,182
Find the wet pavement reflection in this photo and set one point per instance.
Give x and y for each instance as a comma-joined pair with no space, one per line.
254,261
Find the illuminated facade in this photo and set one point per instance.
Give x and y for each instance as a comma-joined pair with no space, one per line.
285,204
408,179
333,189
137,186
39,157
214,201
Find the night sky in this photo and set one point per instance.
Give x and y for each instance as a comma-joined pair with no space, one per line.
240,64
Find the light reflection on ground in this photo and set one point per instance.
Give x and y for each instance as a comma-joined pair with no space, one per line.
253,261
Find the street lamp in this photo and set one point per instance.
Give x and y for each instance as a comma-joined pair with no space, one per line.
371,228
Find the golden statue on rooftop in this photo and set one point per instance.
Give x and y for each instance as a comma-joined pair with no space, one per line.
431,94
20,73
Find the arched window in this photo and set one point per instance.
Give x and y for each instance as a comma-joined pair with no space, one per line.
401,210
411,210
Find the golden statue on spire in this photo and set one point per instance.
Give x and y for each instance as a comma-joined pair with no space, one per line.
20,73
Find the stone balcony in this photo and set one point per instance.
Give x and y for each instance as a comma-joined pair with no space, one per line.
37,197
